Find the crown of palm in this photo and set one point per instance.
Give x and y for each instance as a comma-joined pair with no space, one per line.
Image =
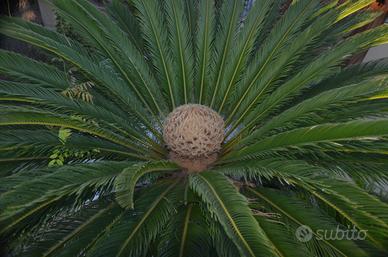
84,169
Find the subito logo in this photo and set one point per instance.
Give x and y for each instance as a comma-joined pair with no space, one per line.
304,233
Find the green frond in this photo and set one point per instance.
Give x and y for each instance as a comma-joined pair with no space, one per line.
354,165
7,158
35,191
90,143
113,43
355,130
334,98
19,138
123,15
338,32
54,101
284,31
223,245
186,235
181,43
228,25
354,205
132,233
85,170
353,74
299,212
351,7
373,108
243,45
191,14
18,67
324,66
23,143
126,182
273,16
268,168
350,201
39,96
283,238
34,118
71,233
17,145
204,48
92,67
231,209
150,15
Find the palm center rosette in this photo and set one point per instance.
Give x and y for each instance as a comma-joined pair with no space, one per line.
204,128
193,134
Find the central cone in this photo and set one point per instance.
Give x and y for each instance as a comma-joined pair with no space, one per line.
193,134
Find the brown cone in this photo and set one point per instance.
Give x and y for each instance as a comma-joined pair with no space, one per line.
193,134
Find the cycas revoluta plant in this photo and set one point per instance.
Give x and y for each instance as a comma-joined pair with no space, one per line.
211,132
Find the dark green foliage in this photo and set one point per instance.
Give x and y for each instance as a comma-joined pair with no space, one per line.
83,167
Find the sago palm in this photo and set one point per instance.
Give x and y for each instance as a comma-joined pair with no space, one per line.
195,128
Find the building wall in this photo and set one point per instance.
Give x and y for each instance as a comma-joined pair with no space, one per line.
27,10
48,16
377,52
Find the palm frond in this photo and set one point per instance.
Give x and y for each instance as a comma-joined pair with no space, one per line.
229,15
353,74
135,230
268,168
355,206
16,66
349,165
324,66
204,48
351,7
84,167
63,105
93,68
243,46
157,40
224,246
327,99
321,133
285,30
43,119
126,182
302,213
187,234
281,235
231,210
123,14
45,187
71,233
19,138
181,44
113,42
